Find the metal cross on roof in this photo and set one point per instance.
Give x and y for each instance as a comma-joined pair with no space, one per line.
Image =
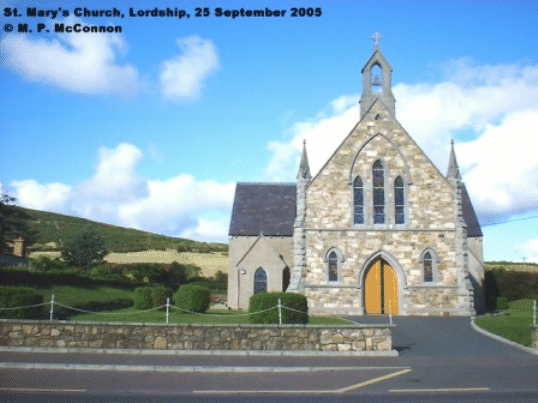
376,37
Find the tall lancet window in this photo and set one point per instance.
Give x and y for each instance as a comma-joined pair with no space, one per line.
358,201
428,267
333,267
378,176
399,201
376,78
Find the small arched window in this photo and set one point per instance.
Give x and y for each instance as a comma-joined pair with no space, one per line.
378,176
333,266
358,201
399,201
260,281
427,263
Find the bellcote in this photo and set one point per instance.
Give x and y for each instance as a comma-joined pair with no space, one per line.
377,81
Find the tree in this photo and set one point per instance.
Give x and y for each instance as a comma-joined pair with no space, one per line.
13,222
86,250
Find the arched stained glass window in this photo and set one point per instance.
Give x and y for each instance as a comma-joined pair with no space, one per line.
260,281
427,263
378,176
333,266
358,201
399,201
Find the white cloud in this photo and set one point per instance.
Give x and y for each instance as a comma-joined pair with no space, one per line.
323,134
496,105
208,230
52,196
81,63
182,76
117,194
528,250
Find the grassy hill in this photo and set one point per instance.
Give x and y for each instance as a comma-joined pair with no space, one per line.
55,230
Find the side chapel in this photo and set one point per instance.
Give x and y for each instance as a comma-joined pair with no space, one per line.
378,230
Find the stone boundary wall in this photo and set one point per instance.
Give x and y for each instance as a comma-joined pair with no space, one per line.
534,337
65,334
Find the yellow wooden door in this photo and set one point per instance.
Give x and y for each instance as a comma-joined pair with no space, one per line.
390,291
372,289
380,290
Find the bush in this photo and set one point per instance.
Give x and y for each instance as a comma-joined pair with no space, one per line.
502,303
86,250
45,263
264,300
11,297
143,298
102,271
159,294
151,296
192,297
511,284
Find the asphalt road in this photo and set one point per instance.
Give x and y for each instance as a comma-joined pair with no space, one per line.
440,359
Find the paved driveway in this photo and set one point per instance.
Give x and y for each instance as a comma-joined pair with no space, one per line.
416,336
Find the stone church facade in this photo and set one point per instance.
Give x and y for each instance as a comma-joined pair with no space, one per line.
378,230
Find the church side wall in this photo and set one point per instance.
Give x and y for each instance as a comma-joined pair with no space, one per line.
241,286
476,271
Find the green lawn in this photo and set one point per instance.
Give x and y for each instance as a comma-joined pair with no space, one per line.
514,326
176,316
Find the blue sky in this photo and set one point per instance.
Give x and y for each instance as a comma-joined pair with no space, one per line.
152,127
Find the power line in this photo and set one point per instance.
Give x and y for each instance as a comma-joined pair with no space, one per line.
504,222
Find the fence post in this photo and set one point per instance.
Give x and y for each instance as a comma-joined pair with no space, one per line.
279,313
51,307
534,314
167,308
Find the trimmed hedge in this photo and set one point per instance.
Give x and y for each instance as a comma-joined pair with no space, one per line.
11,297
192,297
151,296
264,300
512,285
10,276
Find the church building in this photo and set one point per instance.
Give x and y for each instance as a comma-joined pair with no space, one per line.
378,230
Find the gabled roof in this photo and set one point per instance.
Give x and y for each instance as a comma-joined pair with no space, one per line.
267,208
473,226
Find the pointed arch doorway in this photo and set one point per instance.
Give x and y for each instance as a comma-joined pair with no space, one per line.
380,289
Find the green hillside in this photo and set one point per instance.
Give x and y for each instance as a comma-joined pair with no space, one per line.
61,229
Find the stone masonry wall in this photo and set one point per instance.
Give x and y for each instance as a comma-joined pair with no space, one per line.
62,334
429,223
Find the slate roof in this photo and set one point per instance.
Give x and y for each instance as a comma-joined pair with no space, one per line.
473,227
270,208
263,207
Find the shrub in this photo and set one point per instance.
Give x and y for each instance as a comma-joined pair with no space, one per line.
45,263
502,303
11,297
143,298
151,296
159,294
102,271
192,297
262,301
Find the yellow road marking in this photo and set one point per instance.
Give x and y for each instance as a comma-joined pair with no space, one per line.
40,390
342,390
441,390
372,381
